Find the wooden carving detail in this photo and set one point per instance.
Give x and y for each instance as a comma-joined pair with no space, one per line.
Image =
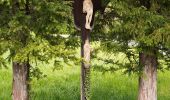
81,14
88,9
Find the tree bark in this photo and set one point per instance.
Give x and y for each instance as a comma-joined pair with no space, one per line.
85,67
20,84
148,79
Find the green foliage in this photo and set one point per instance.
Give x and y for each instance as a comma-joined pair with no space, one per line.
45,33
130,25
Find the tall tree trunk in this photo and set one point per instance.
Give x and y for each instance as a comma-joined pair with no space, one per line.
20,85
148,79
20,81
85,67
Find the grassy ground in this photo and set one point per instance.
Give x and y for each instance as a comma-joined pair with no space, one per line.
64,85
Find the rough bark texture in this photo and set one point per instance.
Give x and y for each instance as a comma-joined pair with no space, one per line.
20,81
148,79
20,85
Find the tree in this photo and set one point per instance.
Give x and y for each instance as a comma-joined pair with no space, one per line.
20,69
32,34
148,81
138,27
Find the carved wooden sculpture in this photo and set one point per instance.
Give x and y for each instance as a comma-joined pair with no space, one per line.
88,9
84,12
80,12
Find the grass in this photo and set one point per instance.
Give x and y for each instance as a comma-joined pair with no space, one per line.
64,85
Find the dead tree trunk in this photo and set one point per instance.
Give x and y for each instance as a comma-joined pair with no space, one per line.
80,20
20,84
148,79
85,67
